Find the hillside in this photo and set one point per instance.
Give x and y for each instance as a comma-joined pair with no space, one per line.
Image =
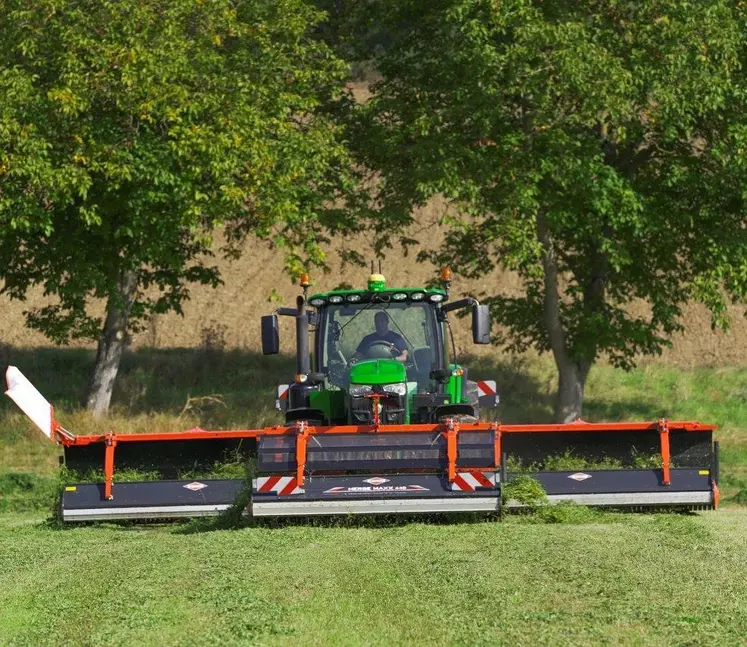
229,315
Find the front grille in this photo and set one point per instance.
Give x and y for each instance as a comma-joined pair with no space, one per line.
392,411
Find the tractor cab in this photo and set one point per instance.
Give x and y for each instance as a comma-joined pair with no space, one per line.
354,337
378,353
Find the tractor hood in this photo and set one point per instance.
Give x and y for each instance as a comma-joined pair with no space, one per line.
378,371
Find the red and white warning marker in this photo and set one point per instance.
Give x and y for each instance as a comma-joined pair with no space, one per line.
281,485
281,403
487,387
487,393
473,479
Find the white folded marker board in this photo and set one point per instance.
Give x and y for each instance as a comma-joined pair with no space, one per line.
31,402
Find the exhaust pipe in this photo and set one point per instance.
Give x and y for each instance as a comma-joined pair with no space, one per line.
303,360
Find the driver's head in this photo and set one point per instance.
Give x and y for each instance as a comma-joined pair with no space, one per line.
381,321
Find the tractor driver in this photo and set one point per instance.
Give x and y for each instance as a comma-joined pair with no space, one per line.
382,334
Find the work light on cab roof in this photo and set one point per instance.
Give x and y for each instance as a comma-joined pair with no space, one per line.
376,282
381,417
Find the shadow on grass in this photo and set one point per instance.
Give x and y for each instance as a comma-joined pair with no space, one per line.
164,381
523,398
158,380
230,522
613,411
526,398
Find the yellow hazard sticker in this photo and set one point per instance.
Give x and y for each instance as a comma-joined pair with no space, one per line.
70,488
704,472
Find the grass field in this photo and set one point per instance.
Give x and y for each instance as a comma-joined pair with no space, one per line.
619,579
595,578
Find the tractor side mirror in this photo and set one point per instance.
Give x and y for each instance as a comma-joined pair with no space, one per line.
270,335
480,324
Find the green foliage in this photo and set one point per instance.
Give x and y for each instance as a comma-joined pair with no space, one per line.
22,491
596,149
274,297
128,132
525,490
563,512
219,470
571,460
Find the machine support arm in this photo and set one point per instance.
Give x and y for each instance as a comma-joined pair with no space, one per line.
461,303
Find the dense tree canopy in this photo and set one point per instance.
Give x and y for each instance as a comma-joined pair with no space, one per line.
129,130
596,148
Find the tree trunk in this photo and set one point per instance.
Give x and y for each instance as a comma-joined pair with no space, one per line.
572,371
572,374
111,344
571,384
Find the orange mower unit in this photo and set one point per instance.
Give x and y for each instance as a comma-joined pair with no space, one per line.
449,466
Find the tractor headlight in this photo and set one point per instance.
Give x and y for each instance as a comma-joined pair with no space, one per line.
417,296
335,298
436,298
396,389
358,390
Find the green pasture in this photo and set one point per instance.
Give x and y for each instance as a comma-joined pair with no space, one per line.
572,576
613,579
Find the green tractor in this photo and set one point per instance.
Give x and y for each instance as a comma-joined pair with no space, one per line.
379,354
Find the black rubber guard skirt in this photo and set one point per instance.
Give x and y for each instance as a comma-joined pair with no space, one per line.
687,448
150,500
689,488
168,458
374,452
368,494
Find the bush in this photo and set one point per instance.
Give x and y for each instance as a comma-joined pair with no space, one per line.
24,491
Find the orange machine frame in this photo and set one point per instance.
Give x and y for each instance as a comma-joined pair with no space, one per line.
450,429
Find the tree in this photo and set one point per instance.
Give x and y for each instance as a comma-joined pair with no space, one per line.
596,148
130,130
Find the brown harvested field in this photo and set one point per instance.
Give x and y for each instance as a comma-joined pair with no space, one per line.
230,314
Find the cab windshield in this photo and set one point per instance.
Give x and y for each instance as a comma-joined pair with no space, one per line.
349,334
